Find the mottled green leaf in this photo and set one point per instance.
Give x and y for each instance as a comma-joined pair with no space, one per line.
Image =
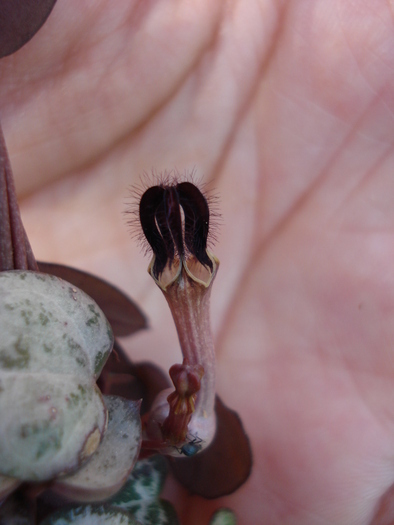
48,424
49,325
112,462
140,494
144,483
54,343
91,515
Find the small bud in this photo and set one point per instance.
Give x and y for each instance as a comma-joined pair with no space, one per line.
187,382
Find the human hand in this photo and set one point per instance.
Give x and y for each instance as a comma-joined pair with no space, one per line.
286,108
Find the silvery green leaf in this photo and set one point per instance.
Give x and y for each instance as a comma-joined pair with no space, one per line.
54,343
49,423
48,325
110,465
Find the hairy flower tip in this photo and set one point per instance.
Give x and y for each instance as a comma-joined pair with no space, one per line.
187,382
176,218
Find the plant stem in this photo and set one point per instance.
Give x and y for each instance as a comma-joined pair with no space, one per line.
15,250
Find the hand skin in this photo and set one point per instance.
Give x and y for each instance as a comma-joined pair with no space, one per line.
287,108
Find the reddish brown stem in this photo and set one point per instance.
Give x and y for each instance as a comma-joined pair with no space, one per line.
15,250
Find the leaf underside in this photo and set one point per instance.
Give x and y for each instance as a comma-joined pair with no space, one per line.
20,21
121,377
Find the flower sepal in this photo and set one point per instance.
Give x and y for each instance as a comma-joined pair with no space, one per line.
179,270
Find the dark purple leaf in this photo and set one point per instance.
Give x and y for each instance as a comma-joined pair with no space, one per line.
15,251
19,22
224,466
122,313
18,509
123,378
153,379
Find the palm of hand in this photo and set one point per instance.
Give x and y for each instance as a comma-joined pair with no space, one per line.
288,111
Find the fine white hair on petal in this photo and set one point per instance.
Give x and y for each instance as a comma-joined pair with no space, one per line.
163,179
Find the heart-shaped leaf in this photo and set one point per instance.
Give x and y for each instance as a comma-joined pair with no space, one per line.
110,465
54,343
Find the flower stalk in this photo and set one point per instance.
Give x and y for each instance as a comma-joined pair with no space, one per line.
15,250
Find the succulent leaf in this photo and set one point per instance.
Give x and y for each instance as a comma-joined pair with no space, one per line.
49,423
55,341
112,462
48,325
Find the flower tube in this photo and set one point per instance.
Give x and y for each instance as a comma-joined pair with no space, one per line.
175,221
